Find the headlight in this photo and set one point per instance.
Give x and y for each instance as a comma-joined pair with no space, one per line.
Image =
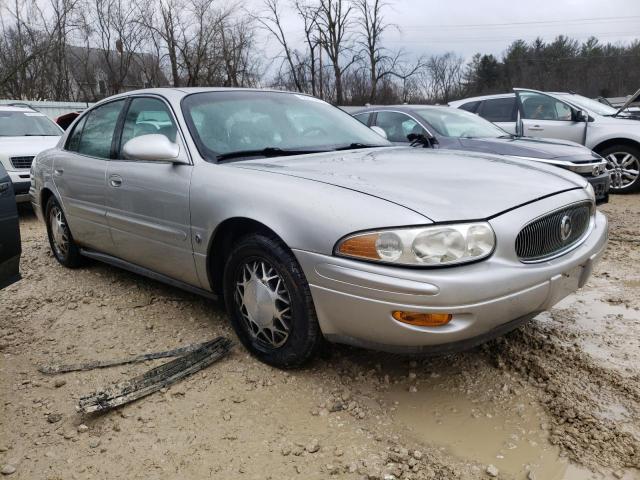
591,192
421,246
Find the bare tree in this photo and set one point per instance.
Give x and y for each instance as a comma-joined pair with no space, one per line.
270,20
372,23
335,27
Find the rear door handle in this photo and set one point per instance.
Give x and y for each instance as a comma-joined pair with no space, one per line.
58,172
115,181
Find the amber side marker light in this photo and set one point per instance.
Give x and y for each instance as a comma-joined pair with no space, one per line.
422,319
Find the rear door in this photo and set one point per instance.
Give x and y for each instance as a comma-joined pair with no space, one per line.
501,111
9,233
548,117
80,175
148,201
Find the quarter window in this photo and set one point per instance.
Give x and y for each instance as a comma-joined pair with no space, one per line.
499,109
97,131
363,118
147,116
470,106
73,143
397,126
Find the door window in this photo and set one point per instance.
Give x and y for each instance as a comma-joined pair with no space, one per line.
536,106
147,116
97,131
499,109
398,125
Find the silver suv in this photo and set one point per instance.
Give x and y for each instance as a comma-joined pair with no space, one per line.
613,133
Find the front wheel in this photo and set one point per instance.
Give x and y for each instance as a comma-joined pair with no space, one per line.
623,166
269,302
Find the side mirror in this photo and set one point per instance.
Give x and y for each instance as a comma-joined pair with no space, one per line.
581,116
379,131
152,147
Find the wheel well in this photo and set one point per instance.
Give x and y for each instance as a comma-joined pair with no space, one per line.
615,141
223,240
44,198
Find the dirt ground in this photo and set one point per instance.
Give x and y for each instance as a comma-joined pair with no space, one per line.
557,399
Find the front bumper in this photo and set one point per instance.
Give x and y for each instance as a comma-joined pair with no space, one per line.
21,180
354,300
600,187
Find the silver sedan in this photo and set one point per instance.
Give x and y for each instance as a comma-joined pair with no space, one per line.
310,225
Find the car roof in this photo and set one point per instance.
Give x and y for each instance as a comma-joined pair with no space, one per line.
457,103
402,108
10,108
176,93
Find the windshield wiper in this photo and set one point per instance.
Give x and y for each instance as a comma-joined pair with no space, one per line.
265,152
353,146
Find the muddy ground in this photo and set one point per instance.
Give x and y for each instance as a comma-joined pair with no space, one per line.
557,399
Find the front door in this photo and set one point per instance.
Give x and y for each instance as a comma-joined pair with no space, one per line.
148,201
548,117
79,176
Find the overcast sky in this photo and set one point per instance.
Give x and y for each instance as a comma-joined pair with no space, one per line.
488,26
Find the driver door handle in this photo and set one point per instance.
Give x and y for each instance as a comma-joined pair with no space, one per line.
58,172
536,127
115,181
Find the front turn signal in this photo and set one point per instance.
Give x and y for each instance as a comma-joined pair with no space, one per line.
422,319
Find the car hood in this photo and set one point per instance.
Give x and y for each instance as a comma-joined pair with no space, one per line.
26,146
442,185
542,148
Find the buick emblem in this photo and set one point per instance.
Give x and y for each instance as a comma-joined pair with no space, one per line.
565,228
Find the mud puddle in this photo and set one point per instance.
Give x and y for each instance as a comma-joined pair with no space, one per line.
608,327
512,435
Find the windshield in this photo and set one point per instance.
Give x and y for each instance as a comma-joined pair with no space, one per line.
245,121
25,123
589,104
452,122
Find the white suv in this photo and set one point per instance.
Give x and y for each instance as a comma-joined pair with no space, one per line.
23,134
610,132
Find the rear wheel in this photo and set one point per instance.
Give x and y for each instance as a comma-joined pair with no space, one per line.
623,165
60,239
269,302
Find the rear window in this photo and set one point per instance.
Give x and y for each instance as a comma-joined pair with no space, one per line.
27,124
499,109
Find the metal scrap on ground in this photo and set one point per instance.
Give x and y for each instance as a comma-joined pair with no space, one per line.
56,369
156,378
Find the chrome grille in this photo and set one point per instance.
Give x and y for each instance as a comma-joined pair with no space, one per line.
21,162
553,233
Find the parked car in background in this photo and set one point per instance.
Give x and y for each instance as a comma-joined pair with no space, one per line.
450,128
608,131
23,134
309,224
10,247
66,119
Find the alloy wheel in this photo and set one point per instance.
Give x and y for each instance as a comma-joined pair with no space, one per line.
623,168
59,231
264,302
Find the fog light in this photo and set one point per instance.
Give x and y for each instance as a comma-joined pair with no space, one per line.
422,319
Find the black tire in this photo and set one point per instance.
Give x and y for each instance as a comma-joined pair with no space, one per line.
70,256
303,338
613,155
